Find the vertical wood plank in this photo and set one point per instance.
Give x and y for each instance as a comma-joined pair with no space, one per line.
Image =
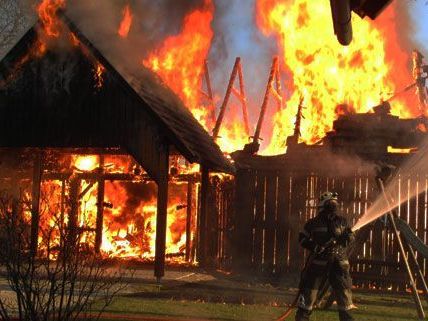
297,220
203,213
259,221
100,207
162,213
243,219
35,201
189,218
270,220
283,222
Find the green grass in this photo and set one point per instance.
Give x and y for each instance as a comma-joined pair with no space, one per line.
371,307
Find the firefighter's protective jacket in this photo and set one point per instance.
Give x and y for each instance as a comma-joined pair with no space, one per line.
323,228
326,263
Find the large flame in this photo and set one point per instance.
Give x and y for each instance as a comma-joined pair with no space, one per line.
322,71
47,11
129,218
180,59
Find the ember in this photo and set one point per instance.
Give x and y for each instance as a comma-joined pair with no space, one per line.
126,22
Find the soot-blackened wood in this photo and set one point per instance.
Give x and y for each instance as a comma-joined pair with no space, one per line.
162,213
203,212
377,240
259,221
100,207
189,219
212,224
74,210
35,201
283,219
243,220
270,223
297,220
421,216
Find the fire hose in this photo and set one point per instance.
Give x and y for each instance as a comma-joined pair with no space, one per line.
311,257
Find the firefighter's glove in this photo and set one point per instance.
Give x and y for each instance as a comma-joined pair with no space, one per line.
345,238
319,249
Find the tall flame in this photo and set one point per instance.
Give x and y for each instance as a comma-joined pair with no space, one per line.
47,10
323,72
180,59
129,218
125,24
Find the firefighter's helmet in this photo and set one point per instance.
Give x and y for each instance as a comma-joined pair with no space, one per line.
326,197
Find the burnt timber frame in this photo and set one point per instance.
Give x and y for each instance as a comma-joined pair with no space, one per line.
53,102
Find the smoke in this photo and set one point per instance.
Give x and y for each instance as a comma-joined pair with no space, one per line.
236,35
400,188
153,22
397,27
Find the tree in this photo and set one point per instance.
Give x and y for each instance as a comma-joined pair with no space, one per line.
62,281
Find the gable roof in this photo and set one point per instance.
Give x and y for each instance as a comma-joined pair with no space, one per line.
180,127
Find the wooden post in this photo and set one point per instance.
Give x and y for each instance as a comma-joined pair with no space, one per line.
418,270
390,216
210,91
189,219
62,214
229,89
283,221
35,202
74,210
265,101
270,223
162,212
243,99
100,207
202,246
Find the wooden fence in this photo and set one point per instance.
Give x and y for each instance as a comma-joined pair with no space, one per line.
272,205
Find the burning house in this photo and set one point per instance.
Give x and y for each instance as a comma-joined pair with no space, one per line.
102,143
87,138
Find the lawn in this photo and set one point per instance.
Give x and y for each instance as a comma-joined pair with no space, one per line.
370,308
201,296
226,300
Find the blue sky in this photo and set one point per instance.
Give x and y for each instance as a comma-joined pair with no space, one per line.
419,14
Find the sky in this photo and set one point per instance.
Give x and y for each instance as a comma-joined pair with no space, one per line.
419,14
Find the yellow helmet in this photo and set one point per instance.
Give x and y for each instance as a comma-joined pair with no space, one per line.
325,197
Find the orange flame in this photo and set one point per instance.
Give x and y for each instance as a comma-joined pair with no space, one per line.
47,10
323,72
180,59
129,222
99,75
125,24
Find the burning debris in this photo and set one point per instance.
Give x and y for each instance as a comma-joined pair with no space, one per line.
117,211
62,92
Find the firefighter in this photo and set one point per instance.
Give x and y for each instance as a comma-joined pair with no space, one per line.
327,237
